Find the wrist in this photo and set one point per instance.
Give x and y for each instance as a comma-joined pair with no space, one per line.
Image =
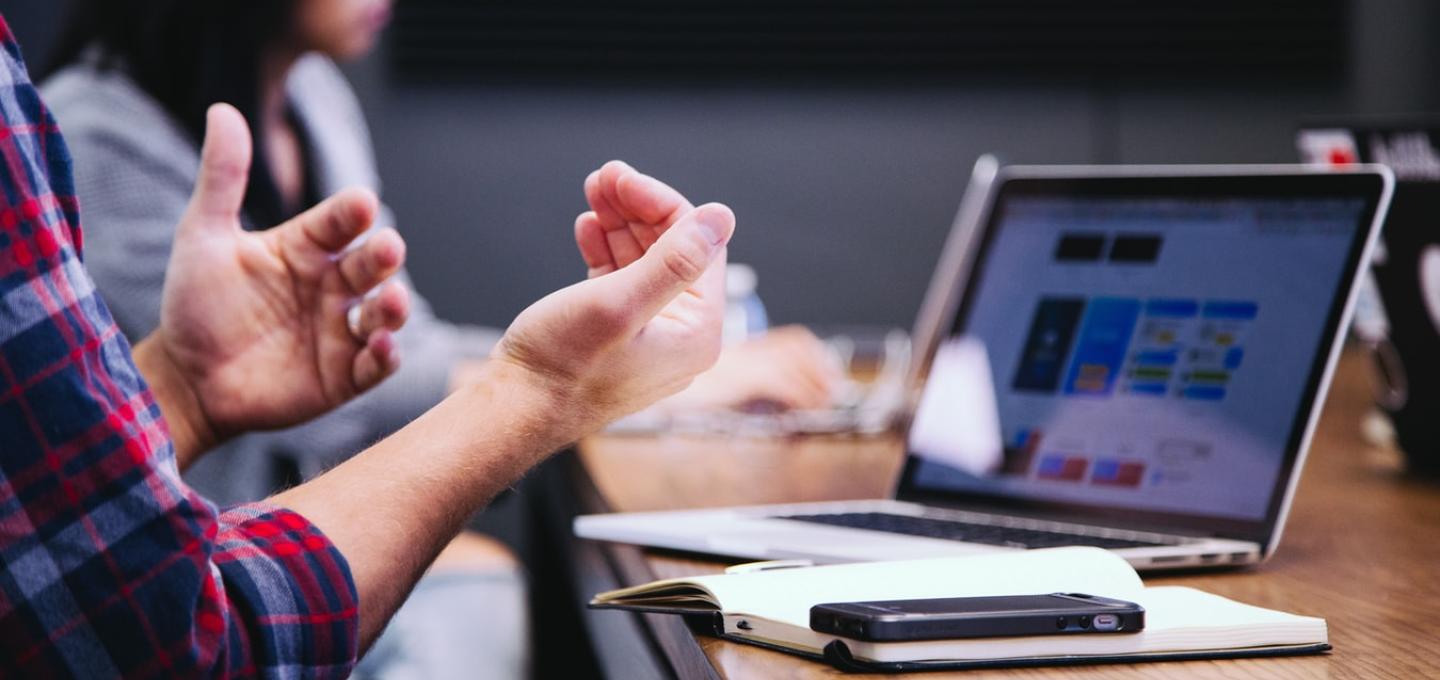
544,406
465,372
190,427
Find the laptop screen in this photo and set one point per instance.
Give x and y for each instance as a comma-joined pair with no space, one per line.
1148,346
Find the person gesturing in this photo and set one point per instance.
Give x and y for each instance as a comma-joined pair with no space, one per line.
112,566
638,330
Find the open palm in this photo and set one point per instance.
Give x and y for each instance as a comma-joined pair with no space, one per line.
256,322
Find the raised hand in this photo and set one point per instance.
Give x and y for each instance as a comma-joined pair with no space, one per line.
649,318
253,325
788,367
628,213
637,331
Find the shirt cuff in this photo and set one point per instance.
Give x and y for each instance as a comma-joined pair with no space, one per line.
291,591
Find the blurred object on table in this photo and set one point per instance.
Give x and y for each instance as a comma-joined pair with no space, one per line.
875,361
745,315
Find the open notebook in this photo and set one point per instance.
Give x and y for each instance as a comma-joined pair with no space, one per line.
772,609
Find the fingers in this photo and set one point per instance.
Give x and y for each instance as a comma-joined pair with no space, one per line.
374,261
786,387
333,224
614,223
816,364
373,324
810,390
598,196
631,209
624,246
678,261
224,168
376,320
622,195
794,387
376,361
590,237
787,365
384,311
796,394
649,200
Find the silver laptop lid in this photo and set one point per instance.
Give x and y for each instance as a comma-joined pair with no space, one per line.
937,310
1143,346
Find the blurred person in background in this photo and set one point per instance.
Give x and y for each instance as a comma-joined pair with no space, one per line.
130,82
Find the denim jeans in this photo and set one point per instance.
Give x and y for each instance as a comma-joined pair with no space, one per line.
456,624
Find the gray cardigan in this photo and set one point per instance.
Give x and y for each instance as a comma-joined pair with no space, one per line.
134,170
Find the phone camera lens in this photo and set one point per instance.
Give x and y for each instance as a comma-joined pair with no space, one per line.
1060,623
1085,622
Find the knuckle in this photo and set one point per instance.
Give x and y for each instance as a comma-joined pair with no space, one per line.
225,169
684,263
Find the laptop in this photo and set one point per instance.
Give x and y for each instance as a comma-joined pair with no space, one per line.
1133,358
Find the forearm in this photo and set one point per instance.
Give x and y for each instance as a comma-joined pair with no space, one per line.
189,427
393,507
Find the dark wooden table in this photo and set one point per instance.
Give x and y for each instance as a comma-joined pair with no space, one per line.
1361,549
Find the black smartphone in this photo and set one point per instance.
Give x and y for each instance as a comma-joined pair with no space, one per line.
972,617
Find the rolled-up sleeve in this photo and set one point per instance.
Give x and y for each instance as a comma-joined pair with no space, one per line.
292,600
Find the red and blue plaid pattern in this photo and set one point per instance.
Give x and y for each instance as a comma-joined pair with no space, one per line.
109,564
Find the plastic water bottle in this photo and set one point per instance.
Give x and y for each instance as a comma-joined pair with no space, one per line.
744,312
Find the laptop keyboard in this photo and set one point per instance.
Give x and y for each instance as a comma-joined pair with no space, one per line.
953,530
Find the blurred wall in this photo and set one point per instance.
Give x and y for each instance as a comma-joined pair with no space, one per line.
844,193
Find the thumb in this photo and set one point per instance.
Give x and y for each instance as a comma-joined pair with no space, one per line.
224,167
677,261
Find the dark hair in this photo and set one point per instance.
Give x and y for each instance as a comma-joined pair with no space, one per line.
187,54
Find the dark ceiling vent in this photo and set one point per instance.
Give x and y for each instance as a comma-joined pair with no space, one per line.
1227,39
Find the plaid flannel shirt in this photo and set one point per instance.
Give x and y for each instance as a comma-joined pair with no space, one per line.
109,564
